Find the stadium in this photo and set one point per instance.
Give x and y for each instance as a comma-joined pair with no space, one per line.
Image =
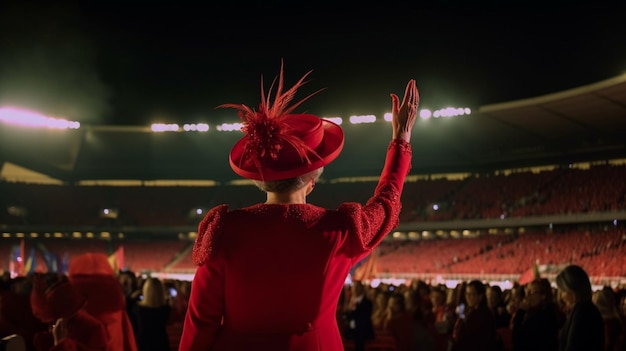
494,191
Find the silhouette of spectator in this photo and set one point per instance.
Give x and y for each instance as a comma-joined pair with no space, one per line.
614,330
152,314
71,327
131,290
475,328
584,327
93,276
359,317
536,324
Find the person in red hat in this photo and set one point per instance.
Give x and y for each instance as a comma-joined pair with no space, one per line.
71,327
92,275
245,257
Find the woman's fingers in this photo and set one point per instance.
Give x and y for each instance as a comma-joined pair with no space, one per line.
395,103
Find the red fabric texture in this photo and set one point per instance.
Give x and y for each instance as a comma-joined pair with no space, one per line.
93,276
247,256
84,333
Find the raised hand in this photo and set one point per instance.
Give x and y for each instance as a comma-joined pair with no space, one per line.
405,114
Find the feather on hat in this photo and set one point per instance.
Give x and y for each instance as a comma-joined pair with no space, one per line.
279,144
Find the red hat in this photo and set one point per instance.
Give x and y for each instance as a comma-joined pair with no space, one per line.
90,263
64,300
60,300
279,144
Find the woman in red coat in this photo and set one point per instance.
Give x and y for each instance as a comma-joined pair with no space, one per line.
269,276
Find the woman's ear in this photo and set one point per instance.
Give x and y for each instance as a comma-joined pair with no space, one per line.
311,186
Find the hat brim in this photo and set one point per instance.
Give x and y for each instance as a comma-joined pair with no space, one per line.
327,151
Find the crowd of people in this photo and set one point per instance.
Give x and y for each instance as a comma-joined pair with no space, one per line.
96,308
93,307
540,315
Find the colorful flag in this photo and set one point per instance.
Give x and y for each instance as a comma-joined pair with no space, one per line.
31,263
17,260
52,261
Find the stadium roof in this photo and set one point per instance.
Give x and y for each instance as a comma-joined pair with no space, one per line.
578,125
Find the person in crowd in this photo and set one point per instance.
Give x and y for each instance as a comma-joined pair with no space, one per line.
496,304
584,327
379,313
152,314
180,301
421,314
442,319
614,330
92,275
475,327
399,323
131,290
72,328
358,315
245,255
502,317
16,314
517,295
536,323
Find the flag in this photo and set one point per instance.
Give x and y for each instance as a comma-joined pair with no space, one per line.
52,261
65,263
16,265
22,257
116,259
367,270
529,275
31,263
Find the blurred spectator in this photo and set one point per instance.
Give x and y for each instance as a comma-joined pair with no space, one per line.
359,317
475,328
16,315
536,324
442,319
152,314
93,277
614,330
131,290
398,323
61,306
584,326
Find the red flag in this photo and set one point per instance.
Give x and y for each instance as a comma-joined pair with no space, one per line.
20,266
528,276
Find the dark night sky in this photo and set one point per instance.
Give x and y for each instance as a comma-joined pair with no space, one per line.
114,63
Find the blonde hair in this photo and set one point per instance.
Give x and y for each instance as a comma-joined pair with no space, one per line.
153,293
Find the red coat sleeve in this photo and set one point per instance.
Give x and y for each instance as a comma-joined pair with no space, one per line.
381,214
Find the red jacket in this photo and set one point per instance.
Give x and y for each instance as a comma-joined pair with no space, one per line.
270,276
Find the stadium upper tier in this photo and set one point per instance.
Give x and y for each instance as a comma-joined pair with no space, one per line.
558,196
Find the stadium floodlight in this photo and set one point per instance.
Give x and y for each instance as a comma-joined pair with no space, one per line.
196,127
452,112
18,116
230,127
162,127
362,119
336,120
